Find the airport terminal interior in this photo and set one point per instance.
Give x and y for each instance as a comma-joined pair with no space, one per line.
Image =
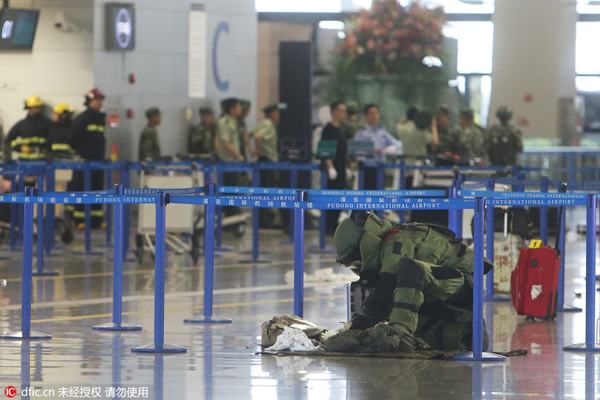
180,178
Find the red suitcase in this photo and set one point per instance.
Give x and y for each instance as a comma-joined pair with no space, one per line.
534,282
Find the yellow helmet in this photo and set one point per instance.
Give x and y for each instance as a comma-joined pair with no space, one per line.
62,108
33,101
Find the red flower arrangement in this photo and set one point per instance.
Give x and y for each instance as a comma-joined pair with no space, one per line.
377,41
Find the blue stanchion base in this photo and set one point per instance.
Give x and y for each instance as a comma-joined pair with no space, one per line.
569,309
485,356
32,335
208,320
594,347
224,248
496,298
111,326
88,253
160,348
259,261
324,250
44,273
250,252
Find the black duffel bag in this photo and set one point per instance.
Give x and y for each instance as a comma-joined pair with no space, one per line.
518,221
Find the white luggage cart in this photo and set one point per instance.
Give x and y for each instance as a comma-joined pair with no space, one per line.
180,217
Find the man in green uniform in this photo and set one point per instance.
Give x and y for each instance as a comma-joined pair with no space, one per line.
243,128
227,142
470,140
447,132
421,278
201,140
149,146
350,125
504,140
265,135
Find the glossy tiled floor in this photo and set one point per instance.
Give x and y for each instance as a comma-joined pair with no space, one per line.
221,363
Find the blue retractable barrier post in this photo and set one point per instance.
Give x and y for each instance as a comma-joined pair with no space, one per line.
126,182
20,210
87,187
219,231
402,214
478,353
159,346
26,333
50,211
116,324
209,262
452,214
459,213
108,212
544,213
322,248
361,175
299,257
40,234
590,280
255,225
13,216
489,291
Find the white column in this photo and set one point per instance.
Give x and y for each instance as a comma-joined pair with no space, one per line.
534,53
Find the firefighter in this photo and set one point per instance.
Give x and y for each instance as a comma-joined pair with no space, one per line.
88,141
28,137
58,137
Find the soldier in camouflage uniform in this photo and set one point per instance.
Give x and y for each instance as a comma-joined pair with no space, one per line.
503,141
448,133
350,125
265,135
202,139
227,144
422,286
242,128
149,145
470,140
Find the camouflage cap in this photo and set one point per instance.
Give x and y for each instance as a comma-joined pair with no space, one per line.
271,107
152,112
442,109
352,107
467,113
206,110
504,113
245,104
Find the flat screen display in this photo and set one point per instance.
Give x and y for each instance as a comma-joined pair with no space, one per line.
18,28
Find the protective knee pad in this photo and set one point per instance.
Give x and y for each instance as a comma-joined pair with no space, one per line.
410,275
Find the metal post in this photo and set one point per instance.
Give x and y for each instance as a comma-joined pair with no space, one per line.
50,210
159,346
41,234
108,213
479,226
489,291
323,221
590,280
255,225
544,213
452,214
571,167
219,210
209,261
20,210
13,216
380,182
459,212
126,182
117,324
294,185
87,186
299,257
402,214
26,332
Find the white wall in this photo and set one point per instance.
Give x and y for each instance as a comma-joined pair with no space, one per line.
160,63
61,66
534,52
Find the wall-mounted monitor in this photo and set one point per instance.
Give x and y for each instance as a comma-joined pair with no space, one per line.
17,28
120,26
